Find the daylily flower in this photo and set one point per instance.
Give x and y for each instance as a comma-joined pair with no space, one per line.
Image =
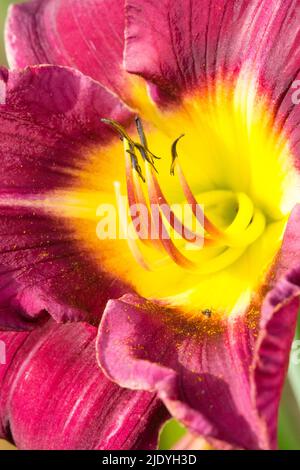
199,333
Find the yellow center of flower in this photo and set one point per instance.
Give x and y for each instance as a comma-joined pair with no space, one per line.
211,210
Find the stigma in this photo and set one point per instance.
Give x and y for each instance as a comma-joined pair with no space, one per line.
188,238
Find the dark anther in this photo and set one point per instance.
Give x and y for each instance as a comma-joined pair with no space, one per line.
135,163
142,147
174,154
144,153
148,152
142,136
117,128
141,132
207,313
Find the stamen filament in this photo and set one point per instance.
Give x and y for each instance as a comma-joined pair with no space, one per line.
252,232
153,238
136,196
132,243
175,223
208,225
243,217
160,228
131,193
222,246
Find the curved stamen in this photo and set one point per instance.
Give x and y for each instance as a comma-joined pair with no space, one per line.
134,162
165,239
131,242
160,198
131,194
136,197
253,231
208,225
222,247
243,217
153,237
169,214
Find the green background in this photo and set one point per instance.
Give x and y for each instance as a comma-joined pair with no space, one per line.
289,428
3,8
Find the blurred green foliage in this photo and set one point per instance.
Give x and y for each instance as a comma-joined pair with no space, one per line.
4,4
171,434
289,416
3,8
289,429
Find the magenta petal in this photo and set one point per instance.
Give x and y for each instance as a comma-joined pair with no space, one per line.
45,268
50,120
224,384
18,308
182,45
277,329
179,45
54,396
87,35
279,319
50,117
202,381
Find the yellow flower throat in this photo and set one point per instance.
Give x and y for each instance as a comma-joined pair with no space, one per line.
232,170
152,211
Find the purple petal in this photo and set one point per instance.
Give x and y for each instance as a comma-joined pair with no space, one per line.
17,309
53,395
50,119
201,379
180,46
223,381
49,123
277,329
88,36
